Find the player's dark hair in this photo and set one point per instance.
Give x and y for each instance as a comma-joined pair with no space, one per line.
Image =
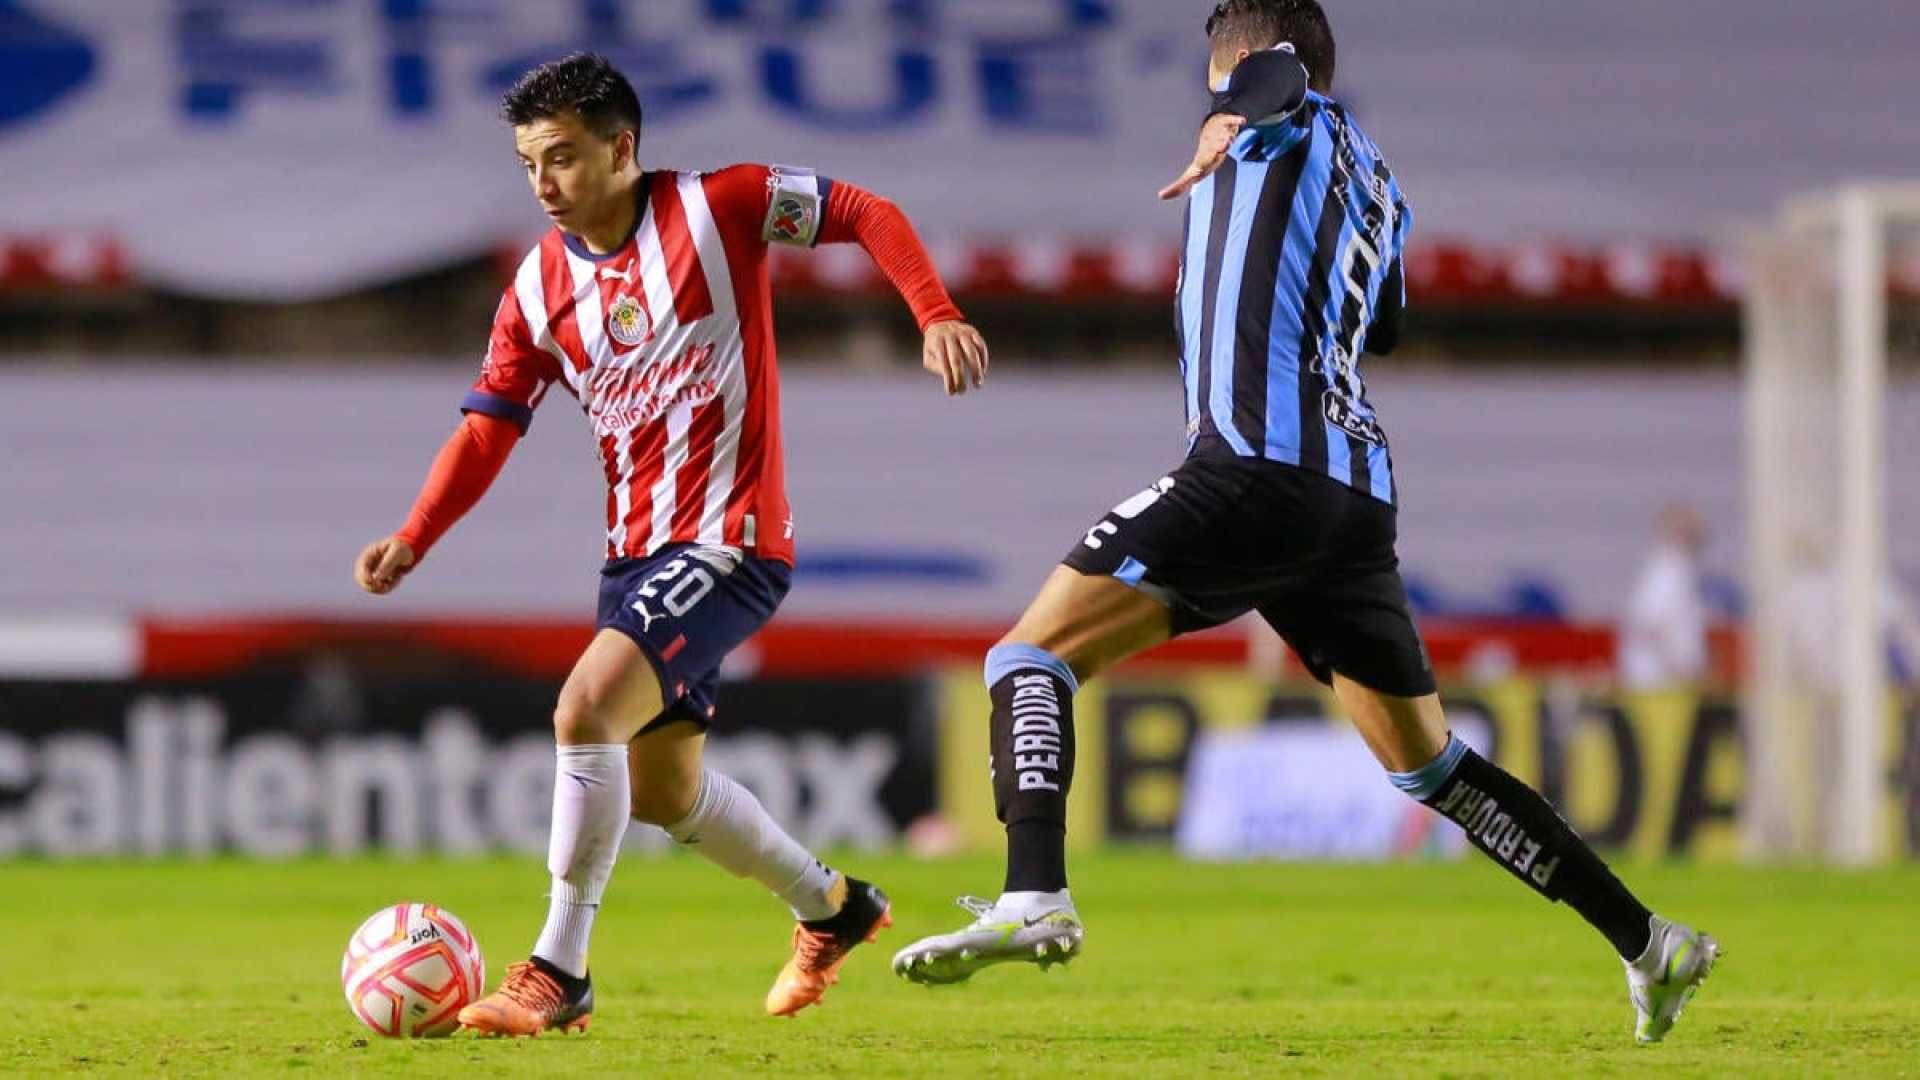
585,83
1261,24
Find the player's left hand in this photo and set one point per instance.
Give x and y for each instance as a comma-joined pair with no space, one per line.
956,353
1216,135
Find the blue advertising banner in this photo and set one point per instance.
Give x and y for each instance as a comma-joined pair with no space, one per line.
289,148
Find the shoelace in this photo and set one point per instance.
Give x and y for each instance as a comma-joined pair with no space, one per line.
531,988
816,949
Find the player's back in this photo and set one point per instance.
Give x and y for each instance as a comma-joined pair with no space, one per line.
1293,250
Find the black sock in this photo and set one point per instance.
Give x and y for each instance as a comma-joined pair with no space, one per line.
857,915
1520,830
1036,857
572,985
1032,734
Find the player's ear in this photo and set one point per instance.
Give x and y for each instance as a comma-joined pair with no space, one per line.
625,144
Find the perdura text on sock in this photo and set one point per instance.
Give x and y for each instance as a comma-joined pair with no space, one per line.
1036,732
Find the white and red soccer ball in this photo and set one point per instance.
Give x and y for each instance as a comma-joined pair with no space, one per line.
410,969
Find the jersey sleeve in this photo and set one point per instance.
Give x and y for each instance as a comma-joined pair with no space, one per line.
1390,315
781,204
464,469
1265,88
877,225
516,373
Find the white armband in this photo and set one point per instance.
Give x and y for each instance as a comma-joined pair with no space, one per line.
794,207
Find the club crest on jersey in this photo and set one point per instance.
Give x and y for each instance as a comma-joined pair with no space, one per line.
627,322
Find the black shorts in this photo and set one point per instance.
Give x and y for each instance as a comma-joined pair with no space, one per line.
1225,535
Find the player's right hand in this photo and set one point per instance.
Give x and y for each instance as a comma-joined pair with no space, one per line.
1216,135
382,565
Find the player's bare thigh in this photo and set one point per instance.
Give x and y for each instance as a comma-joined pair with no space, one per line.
1090,621
1403,733
611,694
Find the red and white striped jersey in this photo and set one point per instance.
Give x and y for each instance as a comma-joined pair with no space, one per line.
668,346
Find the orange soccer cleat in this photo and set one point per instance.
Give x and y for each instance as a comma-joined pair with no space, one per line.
819,948
534,997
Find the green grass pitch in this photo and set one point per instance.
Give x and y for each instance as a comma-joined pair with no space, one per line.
231,969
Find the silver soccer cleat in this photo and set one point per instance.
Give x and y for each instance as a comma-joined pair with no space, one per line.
1678,959
1046,932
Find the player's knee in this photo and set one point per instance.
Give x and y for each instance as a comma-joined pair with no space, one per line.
1029,634
583,719
1055,647
1013,653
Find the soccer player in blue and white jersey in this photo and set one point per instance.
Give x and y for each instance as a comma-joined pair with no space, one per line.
1285,505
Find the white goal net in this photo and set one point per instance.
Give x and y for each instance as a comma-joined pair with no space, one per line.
1825,305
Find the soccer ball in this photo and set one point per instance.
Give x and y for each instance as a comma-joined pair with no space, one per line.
410,969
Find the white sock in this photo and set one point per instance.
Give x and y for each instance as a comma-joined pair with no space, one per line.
1033,903
1650,957
729,826
591,801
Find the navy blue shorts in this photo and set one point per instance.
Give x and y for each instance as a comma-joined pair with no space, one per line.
687,606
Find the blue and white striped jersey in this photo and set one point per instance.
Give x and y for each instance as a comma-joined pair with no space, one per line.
1293,249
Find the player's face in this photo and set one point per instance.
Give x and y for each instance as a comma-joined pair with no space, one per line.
575,174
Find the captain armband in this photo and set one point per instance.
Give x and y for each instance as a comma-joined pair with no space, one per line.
796,204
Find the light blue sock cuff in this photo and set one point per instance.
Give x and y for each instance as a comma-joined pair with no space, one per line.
1423,782
1004,660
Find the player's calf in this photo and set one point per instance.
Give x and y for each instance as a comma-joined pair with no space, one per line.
664,765
1080,623
728,826
1520,830
1032,755
590,802
1032,744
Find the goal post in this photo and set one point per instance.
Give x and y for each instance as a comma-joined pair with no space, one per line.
1817,694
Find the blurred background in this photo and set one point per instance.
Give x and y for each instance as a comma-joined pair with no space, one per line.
1656,419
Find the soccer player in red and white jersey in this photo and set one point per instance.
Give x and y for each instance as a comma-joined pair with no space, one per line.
648,303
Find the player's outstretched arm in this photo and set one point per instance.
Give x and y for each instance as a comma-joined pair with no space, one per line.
461,474
1216,135
953,351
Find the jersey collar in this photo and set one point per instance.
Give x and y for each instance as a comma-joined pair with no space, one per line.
640,193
